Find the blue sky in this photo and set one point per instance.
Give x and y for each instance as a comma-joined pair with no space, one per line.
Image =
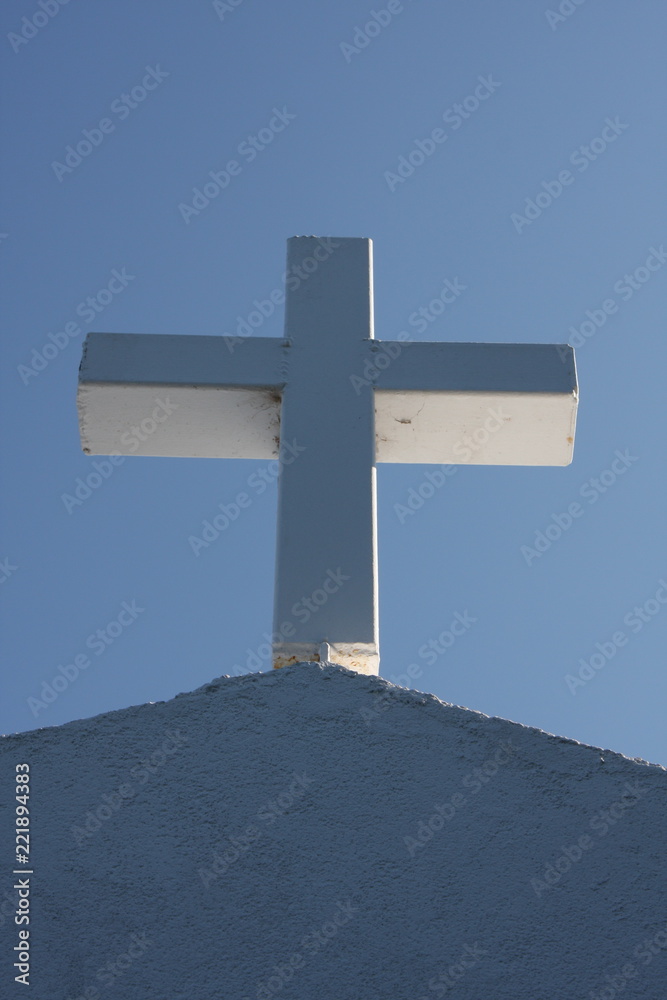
160,95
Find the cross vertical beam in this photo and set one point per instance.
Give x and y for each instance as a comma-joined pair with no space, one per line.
326,566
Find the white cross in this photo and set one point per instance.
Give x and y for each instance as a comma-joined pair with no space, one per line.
330,402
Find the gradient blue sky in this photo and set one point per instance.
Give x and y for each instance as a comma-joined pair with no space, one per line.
222,71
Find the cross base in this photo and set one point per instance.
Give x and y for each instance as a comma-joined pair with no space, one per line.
359,656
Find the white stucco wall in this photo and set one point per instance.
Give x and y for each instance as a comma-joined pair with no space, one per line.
311,833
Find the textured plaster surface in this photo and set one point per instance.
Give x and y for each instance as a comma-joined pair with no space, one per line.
314,833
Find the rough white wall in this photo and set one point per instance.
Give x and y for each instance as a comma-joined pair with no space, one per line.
311,833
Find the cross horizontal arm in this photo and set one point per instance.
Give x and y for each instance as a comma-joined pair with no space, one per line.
180,396
165,359
477,404
449,367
